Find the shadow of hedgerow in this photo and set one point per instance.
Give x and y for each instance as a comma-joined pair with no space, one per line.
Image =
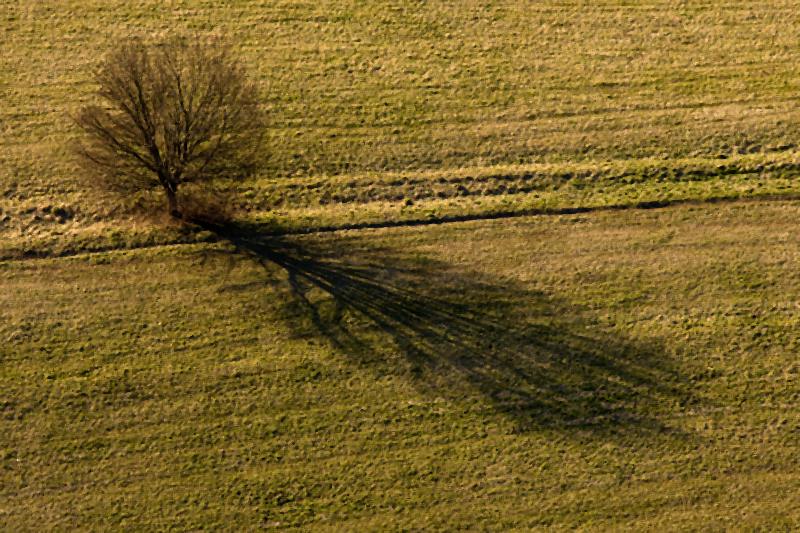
530,356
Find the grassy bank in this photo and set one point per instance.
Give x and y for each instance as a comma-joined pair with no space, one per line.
315,204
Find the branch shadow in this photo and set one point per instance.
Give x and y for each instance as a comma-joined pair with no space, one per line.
527,355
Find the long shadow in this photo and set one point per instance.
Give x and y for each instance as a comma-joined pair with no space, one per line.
523,353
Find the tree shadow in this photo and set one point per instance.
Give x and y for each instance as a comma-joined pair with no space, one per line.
525,354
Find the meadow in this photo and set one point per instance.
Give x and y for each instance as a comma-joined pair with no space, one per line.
507,265
630,370
411,110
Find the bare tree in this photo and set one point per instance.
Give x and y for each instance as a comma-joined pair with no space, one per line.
173,113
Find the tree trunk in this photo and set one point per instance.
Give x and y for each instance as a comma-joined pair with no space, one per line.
172,200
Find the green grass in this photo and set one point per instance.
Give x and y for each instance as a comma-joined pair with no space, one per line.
628,370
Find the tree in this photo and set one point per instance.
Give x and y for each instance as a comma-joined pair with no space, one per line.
173,113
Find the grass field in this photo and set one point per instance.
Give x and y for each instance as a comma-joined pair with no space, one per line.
541,353
628,370
425,109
